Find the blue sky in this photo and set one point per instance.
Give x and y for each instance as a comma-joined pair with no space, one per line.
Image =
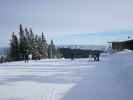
68,21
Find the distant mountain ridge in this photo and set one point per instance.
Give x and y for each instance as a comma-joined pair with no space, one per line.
84,47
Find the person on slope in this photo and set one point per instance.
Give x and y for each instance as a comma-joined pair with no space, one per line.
30,57
26,57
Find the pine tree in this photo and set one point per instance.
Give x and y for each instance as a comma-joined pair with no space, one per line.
27,36
36,48
31,34
34,44
44,46
22,41
31,40
39,43
51,50
14,48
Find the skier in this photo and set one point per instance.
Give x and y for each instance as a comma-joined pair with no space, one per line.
95,57
30,57
26,58
98,56
72,56
90,57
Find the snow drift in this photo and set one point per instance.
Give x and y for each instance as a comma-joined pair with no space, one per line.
110,80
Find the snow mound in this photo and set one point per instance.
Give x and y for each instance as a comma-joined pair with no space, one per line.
126,51
110,80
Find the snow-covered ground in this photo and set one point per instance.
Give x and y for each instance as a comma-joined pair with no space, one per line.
110,80
63,79
41,80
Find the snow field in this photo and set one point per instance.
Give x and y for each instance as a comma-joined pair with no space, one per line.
41,80
110,80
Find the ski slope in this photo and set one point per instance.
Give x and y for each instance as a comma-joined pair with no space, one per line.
63,79
41,80
110,80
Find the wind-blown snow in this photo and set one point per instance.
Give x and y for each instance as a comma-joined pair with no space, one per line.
63,79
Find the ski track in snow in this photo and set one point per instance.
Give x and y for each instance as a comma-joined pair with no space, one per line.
41,80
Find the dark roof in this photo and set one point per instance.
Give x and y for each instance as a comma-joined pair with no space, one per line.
121,41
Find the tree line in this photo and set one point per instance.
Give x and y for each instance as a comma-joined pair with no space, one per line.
26,41
78,53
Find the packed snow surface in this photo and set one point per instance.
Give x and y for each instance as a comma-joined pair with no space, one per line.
41,80
110,80
63,79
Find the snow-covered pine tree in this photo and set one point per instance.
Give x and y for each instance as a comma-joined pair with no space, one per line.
51,50
14,48
44,46
22,41
28,40
35,50
27,34
31,40
39,45
34,44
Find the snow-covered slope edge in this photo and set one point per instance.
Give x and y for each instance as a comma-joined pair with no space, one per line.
111,80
